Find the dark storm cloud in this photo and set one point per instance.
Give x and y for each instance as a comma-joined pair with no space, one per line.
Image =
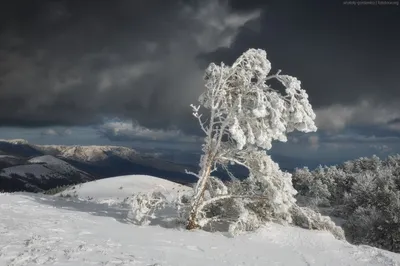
76,62
341,52
345,55
129,131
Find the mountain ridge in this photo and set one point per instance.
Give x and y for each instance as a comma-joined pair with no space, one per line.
94,161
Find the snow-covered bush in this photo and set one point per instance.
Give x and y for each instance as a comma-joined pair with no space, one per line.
309,219
158,208
144,206
245,115
248,208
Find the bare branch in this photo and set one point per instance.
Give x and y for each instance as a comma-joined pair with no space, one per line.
235,161
224,197
198,116
191,173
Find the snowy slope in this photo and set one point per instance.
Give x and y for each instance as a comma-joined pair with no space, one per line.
4,156
48,230
15,141
36,170
56,165
41,173
115,189
88,153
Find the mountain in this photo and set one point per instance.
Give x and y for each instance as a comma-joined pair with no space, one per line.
29,167
39,174
19,148
88,153
49,230
10,160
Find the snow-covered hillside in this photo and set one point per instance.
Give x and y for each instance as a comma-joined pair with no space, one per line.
55,164
15,141
99,161
9,160
88,153
35,170
38,173
94,161
115,189
49,230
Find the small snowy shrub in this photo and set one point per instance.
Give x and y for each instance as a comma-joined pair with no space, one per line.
309,219
248,210
158,208
144,207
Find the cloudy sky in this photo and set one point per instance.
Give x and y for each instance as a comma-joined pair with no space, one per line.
124,72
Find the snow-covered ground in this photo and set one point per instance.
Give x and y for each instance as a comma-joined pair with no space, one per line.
50,230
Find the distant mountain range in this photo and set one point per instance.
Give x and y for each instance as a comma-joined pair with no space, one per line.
35,168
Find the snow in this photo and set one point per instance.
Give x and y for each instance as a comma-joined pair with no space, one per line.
115,189
47,230
22,170
48,159
54,164
37,229
3,156
14,141
44,167
88,153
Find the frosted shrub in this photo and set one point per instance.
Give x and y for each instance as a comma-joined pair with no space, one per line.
309,219
144,207
158,208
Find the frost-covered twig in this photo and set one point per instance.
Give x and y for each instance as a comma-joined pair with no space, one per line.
191,173
198,116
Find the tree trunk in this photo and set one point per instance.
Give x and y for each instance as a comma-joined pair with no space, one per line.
199,197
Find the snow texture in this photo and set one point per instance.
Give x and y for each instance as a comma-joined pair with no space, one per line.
48,230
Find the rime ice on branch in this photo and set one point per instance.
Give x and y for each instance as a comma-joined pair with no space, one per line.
245,116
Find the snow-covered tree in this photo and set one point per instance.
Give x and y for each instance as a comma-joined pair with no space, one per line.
245,115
